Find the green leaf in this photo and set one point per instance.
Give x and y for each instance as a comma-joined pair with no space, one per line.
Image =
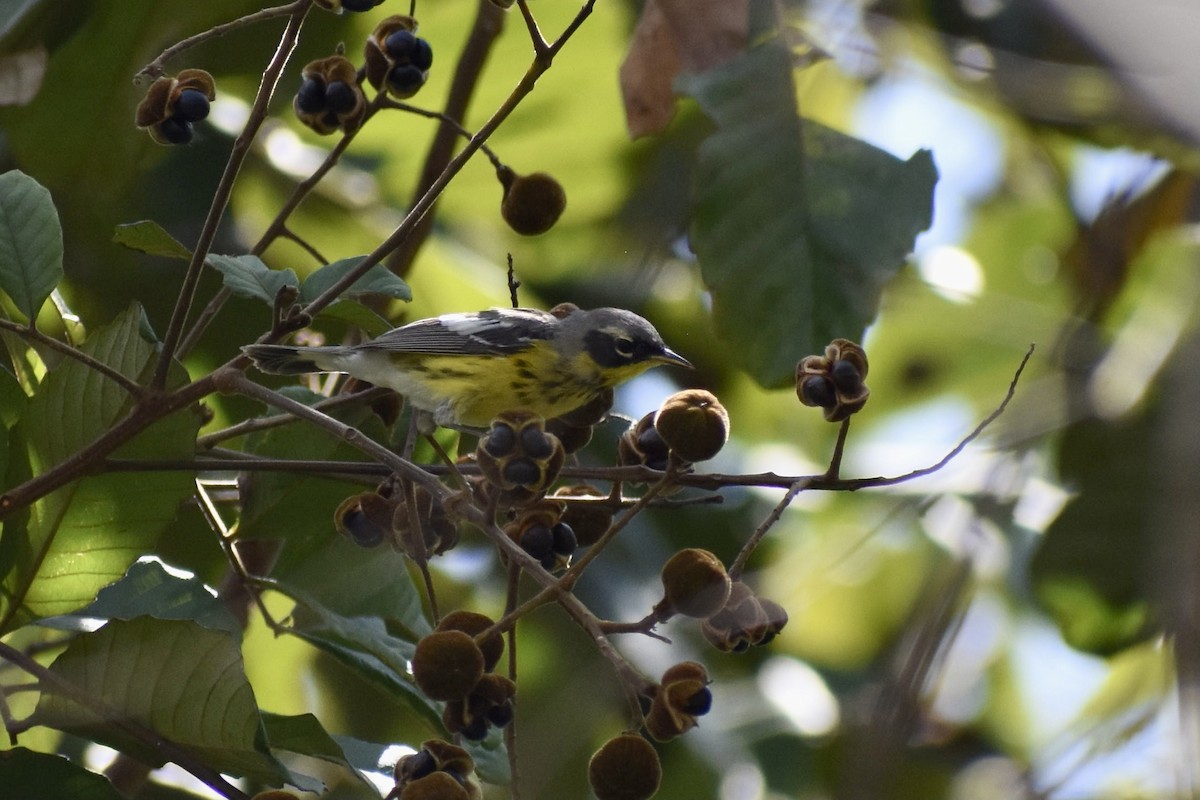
24,773
248,276
148,589
378,280
177,679
796,226
365,644
304,735
149,237
1090,566
358,315
31,242
82,537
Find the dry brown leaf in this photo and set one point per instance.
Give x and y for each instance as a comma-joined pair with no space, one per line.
673,36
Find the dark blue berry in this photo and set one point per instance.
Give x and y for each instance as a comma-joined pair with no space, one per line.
818,390
362,529
652,446
191,105
476,731
699,704
360,5
538,541
400,45
405,78
501,441
564,539
535,443
311,97
340,97
522,472
176,130
846,377
500,715
422,55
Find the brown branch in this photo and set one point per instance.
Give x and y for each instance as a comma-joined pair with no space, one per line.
237,156
32,333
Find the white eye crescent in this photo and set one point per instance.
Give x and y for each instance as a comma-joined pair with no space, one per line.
623,346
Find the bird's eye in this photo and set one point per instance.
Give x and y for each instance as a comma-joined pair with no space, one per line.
623,347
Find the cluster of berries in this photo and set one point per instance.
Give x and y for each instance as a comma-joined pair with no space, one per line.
834,381
370,518
450,665
397,61
438,771
172,106
519,458
689,426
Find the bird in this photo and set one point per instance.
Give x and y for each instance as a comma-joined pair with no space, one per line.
462,370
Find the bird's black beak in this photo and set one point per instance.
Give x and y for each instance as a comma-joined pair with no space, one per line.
669,356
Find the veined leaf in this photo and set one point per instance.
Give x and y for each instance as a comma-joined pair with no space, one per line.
149,237
31,242
304,736
80,538
149,589
248,276
179,680
378,280
796,226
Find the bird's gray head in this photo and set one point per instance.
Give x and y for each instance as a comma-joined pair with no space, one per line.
616,338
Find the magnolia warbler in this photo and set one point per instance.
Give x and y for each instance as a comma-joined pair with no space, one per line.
464,369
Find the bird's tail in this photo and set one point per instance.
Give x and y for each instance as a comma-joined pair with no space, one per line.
282,359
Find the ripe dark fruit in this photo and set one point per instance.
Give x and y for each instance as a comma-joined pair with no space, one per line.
176,130
405,79
522,472
626,767
846,377
500,715
400,45
414,766
535,443
422,55
311,97
698,704
818,390
191,105
654,450
339,97
360,5
501,441
538,541
447,665
564,539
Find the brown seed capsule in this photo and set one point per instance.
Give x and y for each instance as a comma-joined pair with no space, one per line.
834,381
365,518
588,520
682,696
741,623
167,113
531,203
449,757
695,584
275,794
777,618
694,424
474,624
446,665
435,786
626,767
518,454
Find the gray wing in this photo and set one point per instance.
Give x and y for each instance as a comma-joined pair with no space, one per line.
493,332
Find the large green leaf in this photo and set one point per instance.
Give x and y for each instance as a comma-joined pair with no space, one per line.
1090,567
84,536
248,276
796,226
31,242
177,679
149,589
24,773
304,736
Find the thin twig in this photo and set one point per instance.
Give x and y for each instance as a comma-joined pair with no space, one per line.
155,67
32,333
224,190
